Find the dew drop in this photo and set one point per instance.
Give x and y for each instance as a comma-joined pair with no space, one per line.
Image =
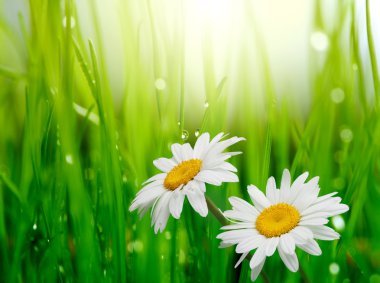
72,22
69,159
125,179
160,84
179,123
319,41
334,268
346,135
337,95
338,223
168,235
206,105
138,246
35,226
61,269
197,132
184,135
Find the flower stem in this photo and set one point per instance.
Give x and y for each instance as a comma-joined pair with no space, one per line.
220,217
216,212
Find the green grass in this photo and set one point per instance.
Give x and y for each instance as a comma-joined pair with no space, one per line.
68,176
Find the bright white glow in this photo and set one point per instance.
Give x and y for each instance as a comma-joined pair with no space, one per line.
319,41
337,95
69,159
334,268
338,223
160,84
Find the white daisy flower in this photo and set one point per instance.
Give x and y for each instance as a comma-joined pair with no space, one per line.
283,219
185,174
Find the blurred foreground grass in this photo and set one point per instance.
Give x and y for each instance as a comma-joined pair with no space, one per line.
71,159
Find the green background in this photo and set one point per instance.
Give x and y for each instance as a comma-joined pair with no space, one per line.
72,156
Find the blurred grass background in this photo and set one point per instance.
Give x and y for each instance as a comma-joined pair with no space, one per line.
83,117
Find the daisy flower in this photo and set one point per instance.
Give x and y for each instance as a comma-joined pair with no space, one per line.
283,219
186,174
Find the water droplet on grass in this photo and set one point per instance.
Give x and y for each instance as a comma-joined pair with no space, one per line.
168,235
338,223
334,268
337,95
206,105
35,226
125,179
61,269
69,159
319,41
197,132
160,84
346,135
138,246
184,135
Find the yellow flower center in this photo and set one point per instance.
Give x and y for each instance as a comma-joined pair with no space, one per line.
182,173
277,219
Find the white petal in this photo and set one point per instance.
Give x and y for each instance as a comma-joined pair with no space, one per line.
156,177
299,181
258,198
226,176
225,245
177,152
161,212
236,235
227,166
201,145
324,233
271,190
242,225
258,257
243,206
208,176
164,164
314,221
285,181
301,234
311,247
256,270
305,198
272,244
187,151
243,256
240,216
250,243
146,197
176,203
287,244
290,260
198,201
